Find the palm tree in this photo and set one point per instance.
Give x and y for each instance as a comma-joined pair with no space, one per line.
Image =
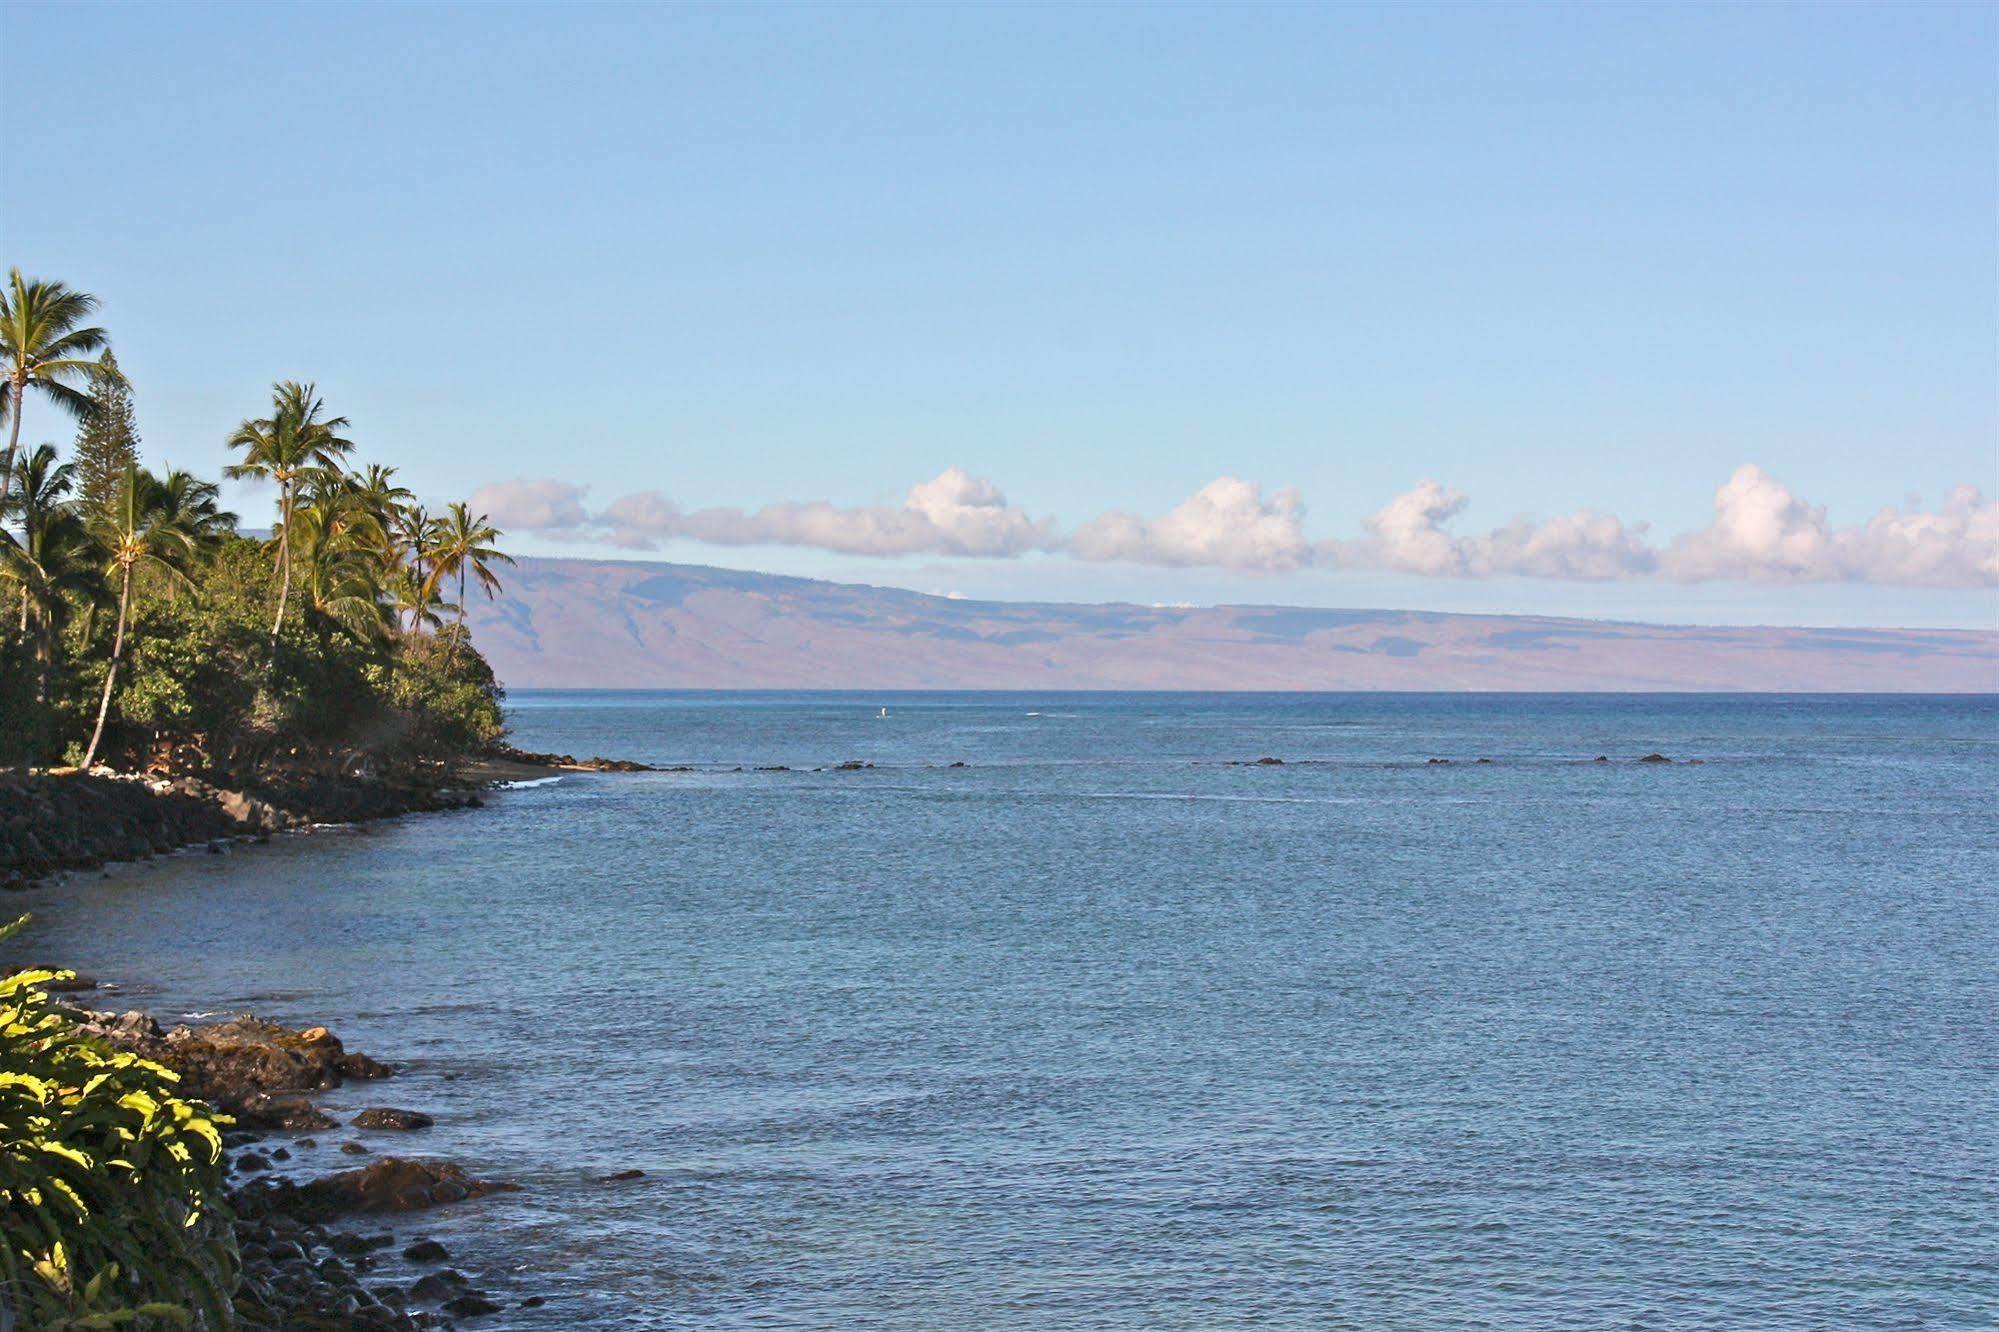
41,484
414,600
153,523
378,492
296,445
53,559
459,545
43,345
411,536
339,581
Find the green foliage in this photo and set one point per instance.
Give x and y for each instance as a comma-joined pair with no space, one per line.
26,729
44,347
445,695
111,1210
143,630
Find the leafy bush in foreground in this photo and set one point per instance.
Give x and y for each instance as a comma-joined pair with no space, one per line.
111,1209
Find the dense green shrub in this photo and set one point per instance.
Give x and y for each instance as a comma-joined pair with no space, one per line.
443,694
205,688
25,728
111,1210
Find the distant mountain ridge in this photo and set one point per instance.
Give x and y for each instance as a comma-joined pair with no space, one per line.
572,623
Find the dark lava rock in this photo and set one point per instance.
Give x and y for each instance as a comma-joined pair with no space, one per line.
231,1063
621,1176
1655,758
51,823
395,1184
851,765
361,1066
1601,758
426,1251
1485,760
959,764
354,1148
384,1117
264,1111
440,1285
248,1162
1437,761
470,1305
533,1302
1269,762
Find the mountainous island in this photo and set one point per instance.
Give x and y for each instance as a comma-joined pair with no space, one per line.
571,623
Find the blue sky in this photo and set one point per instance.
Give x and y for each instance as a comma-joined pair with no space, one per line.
1554,259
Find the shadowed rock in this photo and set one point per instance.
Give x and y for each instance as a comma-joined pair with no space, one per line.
395,1184
383,1117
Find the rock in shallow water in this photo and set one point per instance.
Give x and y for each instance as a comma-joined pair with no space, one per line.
437,1285
394,1184
471,1305
261,1110
384,1117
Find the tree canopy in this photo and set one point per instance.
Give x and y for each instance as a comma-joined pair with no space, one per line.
142,628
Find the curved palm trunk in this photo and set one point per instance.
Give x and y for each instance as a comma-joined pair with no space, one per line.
284,561
13,439
111,676
423,592
461,605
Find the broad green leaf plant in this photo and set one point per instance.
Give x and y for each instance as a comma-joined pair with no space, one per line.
111,1204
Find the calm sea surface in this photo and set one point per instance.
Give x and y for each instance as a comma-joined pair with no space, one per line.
1099,1031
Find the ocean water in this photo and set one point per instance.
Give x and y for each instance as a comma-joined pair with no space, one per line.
1106,1030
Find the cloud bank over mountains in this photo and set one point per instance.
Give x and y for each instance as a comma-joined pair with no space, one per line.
1761,531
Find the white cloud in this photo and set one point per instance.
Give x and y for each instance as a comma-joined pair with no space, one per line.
531,505
1762,532
1408,535
951,514
1227,524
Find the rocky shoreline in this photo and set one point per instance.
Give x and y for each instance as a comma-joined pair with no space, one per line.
309,1263
304,1265
52,823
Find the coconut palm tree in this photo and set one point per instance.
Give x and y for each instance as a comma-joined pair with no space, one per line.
296,445
40,486
411,536
153,523
460,544
52,560
44,345
414,601
339,580
378,492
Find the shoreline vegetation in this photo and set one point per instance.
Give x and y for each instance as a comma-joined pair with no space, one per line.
170,681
